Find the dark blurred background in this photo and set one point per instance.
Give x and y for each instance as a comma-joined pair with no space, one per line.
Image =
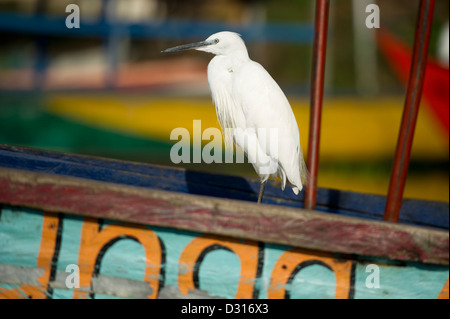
105,89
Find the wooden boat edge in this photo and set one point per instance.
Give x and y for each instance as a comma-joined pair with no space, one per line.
234,218
370,206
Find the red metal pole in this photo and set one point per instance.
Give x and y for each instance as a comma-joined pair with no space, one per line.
410,111
318,72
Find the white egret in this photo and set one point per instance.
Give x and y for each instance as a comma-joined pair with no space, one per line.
252,110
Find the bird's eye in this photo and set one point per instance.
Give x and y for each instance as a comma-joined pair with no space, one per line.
216,41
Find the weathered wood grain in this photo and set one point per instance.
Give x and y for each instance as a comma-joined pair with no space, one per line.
266,223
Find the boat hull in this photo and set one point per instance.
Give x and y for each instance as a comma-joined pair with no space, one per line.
46,254
82,227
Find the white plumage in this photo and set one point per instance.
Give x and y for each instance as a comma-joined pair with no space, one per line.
252,110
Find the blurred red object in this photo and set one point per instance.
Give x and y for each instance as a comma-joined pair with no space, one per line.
436,84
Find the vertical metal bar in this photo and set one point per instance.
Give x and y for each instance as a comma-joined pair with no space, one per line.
318,74
410,111
110,42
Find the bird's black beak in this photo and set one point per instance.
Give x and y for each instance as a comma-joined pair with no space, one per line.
189,46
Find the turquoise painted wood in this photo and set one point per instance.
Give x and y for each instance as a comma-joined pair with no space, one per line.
117,260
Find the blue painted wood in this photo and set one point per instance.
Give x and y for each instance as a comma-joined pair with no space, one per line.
167,29
417,212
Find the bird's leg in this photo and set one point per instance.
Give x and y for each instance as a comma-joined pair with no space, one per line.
261,191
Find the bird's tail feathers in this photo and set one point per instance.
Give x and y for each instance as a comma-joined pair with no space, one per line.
282,174
304,174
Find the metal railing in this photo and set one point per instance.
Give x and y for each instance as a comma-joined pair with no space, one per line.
410,111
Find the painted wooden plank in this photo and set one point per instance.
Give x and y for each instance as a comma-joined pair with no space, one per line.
113,286
121,260
267,223
419,212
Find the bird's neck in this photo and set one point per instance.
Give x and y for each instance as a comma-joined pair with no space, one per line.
237,58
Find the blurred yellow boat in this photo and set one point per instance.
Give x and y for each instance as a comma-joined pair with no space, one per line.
354,131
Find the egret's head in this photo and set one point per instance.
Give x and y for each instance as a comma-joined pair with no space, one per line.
221,43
